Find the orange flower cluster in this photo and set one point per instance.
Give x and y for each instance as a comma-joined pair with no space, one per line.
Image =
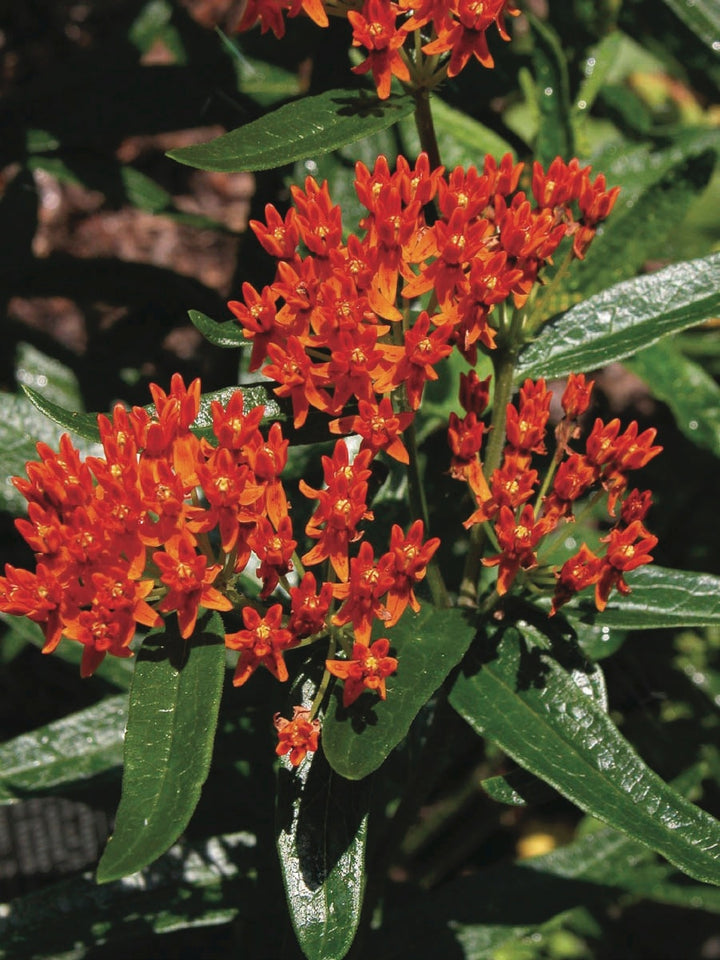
333,327
457,27
116,533
519,527
123,538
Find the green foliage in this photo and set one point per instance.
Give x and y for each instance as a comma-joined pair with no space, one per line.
174,702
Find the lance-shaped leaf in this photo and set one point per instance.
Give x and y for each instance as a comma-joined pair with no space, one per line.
625,318
427,645
321,836
690,392
522,699
74,748
303,128
228,334
659,598
174,702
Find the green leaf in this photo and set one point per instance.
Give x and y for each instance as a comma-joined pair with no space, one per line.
517,788
227,334
74,748
306,127
82,424
552,90
620,321
659,598
428,645
524,701
322,831
701,16
263,82
174,701
692,395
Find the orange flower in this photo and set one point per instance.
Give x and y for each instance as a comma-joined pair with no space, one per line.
298,736
375,30
189,581
367,670
262,642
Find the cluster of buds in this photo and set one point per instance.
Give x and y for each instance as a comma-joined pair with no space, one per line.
334,326
455,27
519,527
165,520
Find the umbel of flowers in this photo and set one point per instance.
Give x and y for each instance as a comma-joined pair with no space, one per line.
418,41
166,521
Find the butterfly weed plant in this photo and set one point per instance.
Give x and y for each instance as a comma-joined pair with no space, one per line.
290,526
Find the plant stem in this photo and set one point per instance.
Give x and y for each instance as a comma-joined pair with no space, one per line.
504,373
426,127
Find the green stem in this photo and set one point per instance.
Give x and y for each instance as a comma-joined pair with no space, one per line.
504,375
426,127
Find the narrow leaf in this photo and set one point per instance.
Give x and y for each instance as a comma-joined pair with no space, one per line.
227,334
520,698
620,321
692,395
174,701
74,748
303,128
659,598
322,831
428,645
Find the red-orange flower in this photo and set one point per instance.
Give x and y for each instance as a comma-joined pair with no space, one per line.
262,642
367,670
296,737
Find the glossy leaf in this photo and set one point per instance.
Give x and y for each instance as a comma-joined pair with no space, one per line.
520,698
74,748
303,128
428,645
620,321
174,701
322,831
227,334
660,598
555,134
692,395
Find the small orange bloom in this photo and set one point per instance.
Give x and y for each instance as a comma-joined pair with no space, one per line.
263,642
367,670
298,736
